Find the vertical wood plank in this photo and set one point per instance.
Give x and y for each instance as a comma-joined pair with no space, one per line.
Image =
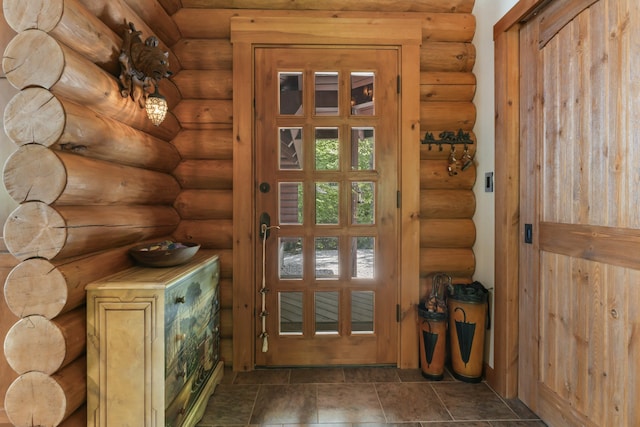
585,144
507,226
617,115
551,178
530,135
632,320
243,208
615,347
632,74
410,210
594,355
581,330
597,47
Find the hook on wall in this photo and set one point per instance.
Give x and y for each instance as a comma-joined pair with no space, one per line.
447,137
452,138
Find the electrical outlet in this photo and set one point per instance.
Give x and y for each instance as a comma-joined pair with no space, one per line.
488,182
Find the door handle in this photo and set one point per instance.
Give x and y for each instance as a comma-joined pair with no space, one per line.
265,225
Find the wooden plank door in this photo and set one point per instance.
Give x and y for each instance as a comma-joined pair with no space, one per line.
326,169
580,270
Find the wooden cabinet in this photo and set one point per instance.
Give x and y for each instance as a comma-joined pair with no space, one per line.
153,344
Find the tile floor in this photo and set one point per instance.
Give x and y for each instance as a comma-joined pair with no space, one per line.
367,397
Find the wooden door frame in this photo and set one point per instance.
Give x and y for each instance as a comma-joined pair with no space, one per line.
246,34
503,377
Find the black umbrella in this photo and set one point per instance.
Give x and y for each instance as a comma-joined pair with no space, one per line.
465,332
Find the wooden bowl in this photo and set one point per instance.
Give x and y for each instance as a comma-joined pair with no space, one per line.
163,254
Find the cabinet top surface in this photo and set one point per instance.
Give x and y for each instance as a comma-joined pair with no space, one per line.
153,277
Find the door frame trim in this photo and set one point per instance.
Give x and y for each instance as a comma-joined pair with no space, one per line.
249,32
508,230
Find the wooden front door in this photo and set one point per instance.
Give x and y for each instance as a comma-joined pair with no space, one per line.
326,123
579,320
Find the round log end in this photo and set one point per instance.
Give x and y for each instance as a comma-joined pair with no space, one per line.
34,173
35,343
35,399
34,115
35,286
33,58
24,15
35,229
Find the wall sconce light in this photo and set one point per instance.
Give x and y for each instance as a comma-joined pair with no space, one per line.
142,66
156,106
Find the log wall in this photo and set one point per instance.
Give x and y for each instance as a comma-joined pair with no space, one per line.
104,178
91,177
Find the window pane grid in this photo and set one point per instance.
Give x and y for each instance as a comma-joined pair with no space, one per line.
328,180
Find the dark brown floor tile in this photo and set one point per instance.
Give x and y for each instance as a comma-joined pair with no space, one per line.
263,376
228,377
458,424
472,401
415,375
286,404
402,402
410,375
317,375
386,425
349,403
521,410
371,375
230,404
318,425
534,423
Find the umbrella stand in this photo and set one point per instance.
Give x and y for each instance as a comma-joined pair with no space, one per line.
467,306
433,325
433,338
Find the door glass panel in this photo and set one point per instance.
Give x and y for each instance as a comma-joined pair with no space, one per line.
326,310
290,257
362,90
326,258
290,148
362,203
290,93
290,304
362,303
327,149
290,197
326,103
363,257
327,202
362,148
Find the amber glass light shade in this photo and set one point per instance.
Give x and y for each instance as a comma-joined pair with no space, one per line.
156,106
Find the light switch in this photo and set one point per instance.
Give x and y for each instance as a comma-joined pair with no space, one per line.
488,182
